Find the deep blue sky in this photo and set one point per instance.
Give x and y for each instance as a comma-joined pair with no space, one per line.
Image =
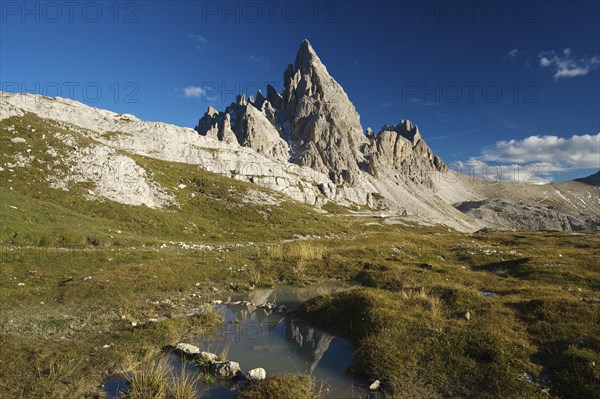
396,60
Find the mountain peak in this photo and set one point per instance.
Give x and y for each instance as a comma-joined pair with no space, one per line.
306,56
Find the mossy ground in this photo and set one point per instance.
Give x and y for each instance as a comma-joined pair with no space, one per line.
75,274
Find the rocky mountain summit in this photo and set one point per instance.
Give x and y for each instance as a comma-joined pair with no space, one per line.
313,123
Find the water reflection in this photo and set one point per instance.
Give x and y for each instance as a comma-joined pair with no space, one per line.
255,336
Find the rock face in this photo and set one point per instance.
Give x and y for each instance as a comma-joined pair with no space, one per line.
318,120
400,153
325,128
247,125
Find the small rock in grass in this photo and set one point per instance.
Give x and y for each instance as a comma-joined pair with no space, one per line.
468,315
375,385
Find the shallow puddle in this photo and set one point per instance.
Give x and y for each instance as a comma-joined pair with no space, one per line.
255,337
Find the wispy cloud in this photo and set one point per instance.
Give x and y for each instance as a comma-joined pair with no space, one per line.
512,55
564,65
193,92
263,61
447,136
387,104
411,100
201,41
420,101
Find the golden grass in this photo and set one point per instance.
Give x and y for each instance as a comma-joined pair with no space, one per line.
298,250
158,380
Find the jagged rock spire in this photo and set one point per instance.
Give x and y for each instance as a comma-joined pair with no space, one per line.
325,128
313,123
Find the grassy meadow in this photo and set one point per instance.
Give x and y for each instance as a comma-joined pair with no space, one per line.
80,280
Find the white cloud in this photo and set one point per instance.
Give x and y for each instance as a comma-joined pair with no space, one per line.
566,66
534,159
261,61
577,152
193,91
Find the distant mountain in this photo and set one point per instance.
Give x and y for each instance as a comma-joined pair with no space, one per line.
592,180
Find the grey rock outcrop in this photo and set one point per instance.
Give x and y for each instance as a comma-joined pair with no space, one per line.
399,152
325,128
244,123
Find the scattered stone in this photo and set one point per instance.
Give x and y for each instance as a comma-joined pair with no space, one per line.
18,140
467,315
487,294
257,374
375,385
216,302
225,370
21,284
187,349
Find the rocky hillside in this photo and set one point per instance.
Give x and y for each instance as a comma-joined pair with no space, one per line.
504,214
